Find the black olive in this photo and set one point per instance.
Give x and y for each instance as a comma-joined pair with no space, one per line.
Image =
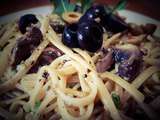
57,27
69,37
26,21
108,20
96,11
90,36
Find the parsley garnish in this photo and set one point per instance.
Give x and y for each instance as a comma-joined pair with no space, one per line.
116,100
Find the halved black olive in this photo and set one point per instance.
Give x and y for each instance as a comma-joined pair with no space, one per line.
69,37
26,21
90,36
96,11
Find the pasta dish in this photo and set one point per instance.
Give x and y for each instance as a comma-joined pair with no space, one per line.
75,68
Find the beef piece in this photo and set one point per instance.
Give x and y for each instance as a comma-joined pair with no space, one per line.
57,26
105,63
133,110
142,29
25,46
48,55
149,28
155,104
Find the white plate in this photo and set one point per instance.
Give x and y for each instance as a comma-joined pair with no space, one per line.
131,16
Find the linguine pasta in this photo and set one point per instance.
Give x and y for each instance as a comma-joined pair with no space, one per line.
72,88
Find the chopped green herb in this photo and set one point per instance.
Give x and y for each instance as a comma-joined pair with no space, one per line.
37,105
85,4
120,5
27,108
116,100
61,6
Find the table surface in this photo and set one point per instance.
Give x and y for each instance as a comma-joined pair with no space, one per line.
149,8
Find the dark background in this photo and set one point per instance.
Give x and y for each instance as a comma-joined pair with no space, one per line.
147,7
